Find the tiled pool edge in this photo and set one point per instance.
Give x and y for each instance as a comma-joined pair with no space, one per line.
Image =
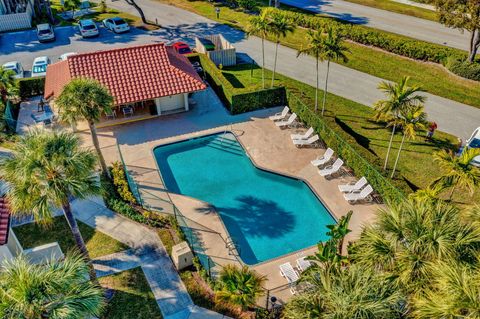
257,166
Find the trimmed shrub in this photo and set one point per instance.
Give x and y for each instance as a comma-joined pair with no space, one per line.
240,100
120,181
463,68
360,160
31,87
398,44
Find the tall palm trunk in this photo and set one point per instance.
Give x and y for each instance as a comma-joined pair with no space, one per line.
96,144
72,223
263,61
474,44
275,62
316,88
398,156
326,88
139,10
389,147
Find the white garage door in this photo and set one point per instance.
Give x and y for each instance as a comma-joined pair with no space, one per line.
169,103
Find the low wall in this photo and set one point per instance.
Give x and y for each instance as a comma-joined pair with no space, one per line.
16,21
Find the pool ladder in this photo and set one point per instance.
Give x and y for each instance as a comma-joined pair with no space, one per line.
223,135
233,247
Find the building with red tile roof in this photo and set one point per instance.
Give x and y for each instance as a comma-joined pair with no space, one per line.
153,73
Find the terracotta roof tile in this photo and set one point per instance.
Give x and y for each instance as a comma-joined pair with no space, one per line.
4,221
131,74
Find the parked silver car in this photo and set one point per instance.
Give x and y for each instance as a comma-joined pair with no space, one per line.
45,32
16,67
88,28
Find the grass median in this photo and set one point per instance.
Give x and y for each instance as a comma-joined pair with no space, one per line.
434,78
401,8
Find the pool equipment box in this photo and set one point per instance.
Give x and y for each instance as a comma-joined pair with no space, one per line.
182,255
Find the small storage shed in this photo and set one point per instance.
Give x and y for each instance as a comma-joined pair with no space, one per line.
224,52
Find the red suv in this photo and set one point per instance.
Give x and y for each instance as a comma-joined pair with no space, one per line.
182,48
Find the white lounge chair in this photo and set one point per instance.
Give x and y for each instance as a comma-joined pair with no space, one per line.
292,276
281,115
303,136
324,159
287,271
354,187
303,264
354,197
332,169
288,122
310,141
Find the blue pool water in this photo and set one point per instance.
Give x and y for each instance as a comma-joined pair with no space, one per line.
267,214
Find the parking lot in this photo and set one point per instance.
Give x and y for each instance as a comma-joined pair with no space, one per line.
23,46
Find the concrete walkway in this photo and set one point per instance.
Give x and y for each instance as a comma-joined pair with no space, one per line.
181,25
148,252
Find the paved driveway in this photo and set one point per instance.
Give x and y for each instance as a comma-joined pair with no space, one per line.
421,29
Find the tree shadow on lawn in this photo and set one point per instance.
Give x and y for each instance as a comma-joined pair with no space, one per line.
234,81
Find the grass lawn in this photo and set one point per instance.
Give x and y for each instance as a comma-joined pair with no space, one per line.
434,78
98,244
133,297
393,6
415,166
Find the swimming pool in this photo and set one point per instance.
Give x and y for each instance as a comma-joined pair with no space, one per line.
267,214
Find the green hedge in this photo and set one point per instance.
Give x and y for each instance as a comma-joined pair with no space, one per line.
362,162
31,87
464,68
240,100
398,44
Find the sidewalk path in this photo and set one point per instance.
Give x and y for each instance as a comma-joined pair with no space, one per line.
181,25
148,252
421,29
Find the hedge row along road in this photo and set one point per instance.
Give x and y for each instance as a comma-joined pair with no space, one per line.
385,20
452,117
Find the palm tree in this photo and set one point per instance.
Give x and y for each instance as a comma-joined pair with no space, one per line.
340,230
407,237
428,194
410,120
455,293
8,84
260,26
280,26
314,48
400,96
239,286
45,171
85,99
333,50
55,290
346,292
72,5
458,170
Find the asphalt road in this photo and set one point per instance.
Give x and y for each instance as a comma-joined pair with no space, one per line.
421,29
452,117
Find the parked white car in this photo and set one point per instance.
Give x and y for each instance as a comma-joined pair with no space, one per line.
474,142
16,67
88,28
116,24
65,56
39,67
45,32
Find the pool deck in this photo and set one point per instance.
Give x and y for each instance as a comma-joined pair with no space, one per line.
267,145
